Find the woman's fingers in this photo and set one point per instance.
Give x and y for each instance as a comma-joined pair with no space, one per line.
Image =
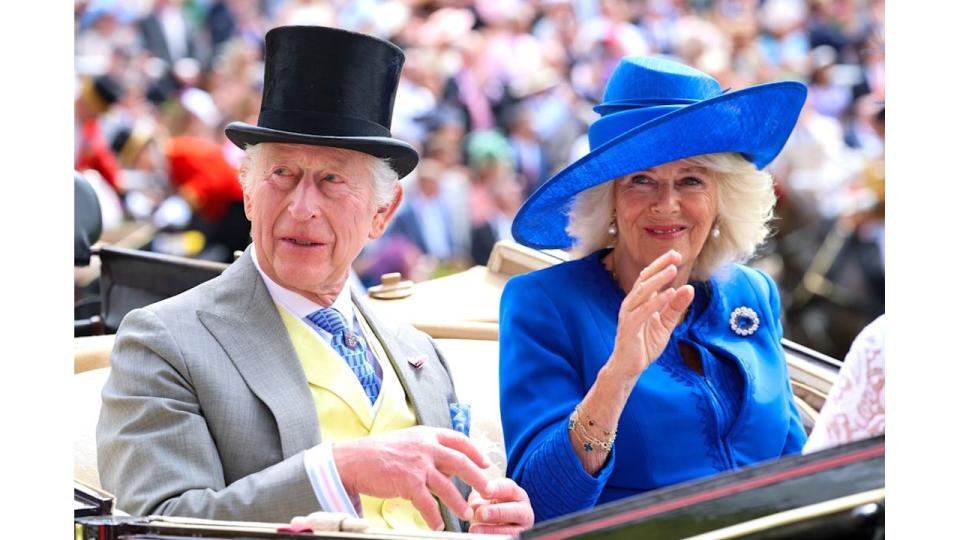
666,307
475,500
506,489
508,509
670,257
673,311
644,289
507,513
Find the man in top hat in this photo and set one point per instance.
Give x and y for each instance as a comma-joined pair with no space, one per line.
272,391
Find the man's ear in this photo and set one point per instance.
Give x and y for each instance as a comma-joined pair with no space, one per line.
247,200
247,205
382,217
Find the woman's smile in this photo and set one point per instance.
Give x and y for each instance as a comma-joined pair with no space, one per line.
665,232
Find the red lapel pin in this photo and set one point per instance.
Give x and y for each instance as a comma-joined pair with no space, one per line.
417,361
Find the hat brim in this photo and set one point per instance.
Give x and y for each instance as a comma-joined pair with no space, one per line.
403,158
755,122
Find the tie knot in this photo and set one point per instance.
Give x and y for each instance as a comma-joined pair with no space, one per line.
330,320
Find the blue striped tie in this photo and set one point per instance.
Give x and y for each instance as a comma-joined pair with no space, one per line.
350,346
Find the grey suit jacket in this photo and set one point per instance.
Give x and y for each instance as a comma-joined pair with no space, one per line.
207,411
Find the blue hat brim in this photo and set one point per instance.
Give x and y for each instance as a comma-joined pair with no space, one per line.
403,157
755,122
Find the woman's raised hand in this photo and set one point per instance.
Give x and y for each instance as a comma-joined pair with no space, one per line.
648,315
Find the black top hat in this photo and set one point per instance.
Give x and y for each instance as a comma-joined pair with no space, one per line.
329,87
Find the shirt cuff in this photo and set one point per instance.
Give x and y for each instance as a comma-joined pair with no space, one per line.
325,479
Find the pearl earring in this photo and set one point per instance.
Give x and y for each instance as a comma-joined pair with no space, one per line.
612,229
715,232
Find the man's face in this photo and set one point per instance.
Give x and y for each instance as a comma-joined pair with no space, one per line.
311,210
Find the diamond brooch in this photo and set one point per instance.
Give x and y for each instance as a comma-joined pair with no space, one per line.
744,321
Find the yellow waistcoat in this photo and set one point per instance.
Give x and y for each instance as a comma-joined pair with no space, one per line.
345,413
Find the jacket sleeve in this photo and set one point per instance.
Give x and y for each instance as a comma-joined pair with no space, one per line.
796,435
155,451
540,384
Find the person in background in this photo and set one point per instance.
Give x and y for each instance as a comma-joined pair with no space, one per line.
428,218
650,358
91,149
855,408
203,192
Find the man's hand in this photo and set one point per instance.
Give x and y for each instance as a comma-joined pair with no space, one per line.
505,510
415,464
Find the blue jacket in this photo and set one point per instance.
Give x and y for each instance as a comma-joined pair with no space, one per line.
557,329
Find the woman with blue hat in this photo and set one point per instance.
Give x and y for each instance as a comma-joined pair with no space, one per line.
651,357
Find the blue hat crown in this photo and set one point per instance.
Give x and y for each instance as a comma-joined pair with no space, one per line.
643,88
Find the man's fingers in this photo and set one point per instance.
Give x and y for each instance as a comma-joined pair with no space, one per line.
453,463
443,488
424,502
461,443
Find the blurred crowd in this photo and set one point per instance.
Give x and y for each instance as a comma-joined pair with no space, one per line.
496,95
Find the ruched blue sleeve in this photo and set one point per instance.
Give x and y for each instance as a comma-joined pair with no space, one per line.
541,381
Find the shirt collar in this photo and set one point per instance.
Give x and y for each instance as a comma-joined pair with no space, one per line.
298,304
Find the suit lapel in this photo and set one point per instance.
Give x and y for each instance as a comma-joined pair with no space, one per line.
427,387
245,322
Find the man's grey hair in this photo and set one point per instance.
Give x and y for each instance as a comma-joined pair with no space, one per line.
384,177
745,201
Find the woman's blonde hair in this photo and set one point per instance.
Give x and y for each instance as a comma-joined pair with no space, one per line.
745,201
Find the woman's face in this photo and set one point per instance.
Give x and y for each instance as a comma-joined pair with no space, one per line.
671,206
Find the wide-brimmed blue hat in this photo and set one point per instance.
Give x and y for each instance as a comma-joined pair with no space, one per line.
655,111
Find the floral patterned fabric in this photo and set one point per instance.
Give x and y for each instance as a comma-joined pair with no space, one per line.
855,409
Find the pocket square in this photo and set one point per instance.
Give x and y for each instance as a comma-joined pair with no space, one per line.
460,417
